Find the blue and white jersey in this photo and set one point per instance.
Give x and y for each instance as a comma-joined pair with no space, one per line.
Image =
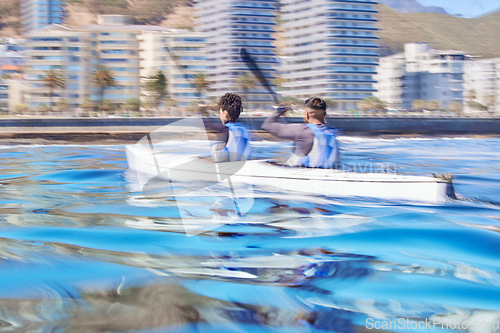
324,152
237,147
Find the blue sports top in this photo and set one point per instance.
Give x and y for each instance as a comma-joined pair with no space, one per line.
237,147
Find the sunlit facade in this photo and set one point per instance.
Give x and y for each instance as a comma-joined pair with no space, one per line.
421,73
129,51
117,48
230,25
331,50
63,49
482,84
180,55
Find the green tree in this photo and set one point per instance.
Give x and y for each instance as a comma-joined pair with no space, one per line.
133,104
489,100
372,103
103,78
53,79
21,109
156,85
456,107
477,106
432,105
245,83
419,105
471,95
278,82
201,84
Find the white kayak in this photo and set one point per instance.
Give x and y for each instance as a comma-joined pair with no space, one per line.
325,182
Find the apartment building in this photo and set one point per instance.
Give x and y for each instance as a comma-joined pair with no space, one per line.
129,51
114,43
56,47
230,25
180,55
421,72
331,50
389,86
37,14
11,95
482,84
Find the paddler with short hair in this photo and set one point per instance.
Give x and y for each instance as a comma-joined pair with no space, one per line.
315,144
234,138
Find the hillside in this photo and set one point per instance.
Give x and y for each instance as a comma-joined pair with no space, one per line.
411,6
474,36
442,31
171,13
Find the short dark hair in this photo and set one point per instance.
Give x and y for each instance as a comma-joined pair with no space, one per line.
316,104
232,104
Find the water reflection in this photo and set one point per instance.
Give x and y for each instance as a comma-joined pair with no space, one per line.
82,250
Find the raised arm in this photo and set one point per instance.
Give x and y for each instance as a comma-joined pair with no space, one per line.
302,135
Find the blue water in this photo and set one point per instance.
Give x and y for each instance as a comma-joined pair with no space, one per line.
82,250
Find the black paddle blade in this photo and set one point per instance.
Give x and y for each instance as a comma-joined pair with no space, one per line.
248,60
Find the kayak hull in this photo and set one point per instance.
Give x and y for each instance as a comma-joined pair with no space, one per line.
276,177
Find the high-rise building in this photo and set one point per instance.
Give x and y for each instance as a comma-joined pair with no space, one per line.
482,85
37,14
230,25
421,73
331,50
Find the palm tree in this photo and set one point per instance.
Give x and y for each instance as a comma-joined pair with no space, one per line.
201,84
54,79
245,83
157,86
103,78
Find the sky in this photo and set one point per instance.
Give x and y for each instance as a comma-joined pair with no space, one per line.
467,8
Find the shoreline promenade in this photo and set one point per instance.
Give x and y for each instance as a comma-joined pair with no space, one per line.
120,130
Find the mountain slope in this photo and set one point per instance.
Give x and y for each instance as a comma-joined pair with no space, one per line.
411,6
474,36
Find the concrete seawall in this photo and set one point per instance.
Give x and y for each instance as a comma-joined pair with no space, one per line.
132,129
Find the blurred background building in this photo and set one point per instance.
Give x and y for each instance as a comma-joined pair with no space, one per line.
37,14
482,85
331,50
131,52
68,53
230,25
421,73
180,55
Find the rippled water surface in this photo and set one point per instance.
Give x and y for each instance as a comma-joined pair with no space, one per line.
82,250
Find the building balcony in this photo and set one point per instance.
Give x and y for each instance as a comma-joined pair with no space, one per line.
353,63
347,28
349,10
350,19
267,8
359,2
349,36
244,14
333,44
347,54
